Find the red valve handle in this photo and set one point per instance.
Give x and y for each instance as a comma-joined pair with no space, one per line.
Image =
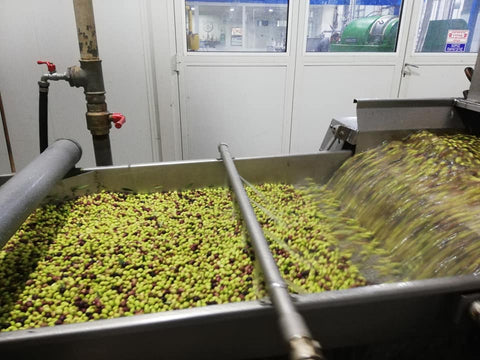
118,119
51,66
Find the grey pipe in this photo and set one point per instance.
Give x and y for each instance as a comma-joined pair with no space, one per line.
23,192
292,325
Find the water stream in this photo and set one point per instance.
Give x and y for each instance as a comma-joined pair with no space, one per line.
405,210
414,206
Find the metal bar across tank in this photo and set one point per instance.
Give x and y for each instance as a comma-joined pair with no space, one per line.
292,324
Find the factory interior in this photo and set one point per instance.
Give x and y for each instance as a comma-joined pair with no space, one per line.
240,179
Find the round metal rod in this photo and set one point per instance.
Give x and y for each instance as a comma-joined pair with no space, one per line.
23,192
292,325
7,136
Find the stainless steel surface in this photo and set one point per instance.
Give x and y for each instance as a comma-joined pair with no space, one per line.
22,193
366,315
290,169
339,132
406,114
468,104
291,323
383,120
246,330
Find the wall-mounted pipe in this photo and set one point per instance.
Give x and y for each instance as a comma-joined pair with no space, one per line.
90,76
292,324
23,192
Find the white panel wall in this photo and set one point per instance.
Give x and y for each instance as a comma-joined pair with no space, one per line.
327,92
242,106
32,30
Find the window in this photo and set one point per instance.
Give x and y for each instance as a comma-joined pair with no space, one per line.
247,25
353,25
449,26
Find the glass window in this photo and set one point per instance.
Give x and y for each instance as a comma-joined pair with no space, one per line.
449,26
247,25
353,25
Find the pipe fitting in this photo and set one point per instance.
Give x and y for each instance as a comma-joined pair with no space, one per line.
78,76
88,75
98,123
305,349
55,77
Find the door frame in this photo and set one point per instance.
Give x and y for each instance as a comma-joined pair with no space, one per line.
315,59
186,59
428,59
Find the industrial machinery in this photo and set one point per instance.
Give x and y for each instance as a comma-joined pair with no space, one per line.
438,31
370,314
372,33
248,330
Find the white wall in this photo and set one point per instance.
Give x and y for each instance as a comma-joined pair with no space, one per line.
31,30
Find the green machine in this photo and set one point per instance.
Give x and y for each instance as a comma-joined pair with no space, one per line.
437,33
369,34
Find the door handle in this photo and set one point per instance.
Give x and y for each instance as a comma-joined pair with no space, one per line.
404,72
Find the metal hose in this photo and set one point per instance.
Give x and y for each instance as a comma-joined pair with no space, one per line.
23,192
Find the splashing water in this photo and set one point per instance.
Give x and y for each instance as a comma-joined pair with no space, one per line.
420,201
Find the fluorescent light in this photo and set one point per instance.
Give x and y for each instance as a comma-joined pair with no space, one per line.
232,9
192,8
270,10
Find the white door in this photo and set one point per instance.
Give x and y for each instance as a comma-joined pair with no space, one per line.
236,64
443,39
347,49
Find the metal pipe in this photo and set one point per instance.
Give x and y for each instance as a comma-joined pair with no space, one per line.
7,136
103,157
87,35
23,192
43,114
89,76
292,325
